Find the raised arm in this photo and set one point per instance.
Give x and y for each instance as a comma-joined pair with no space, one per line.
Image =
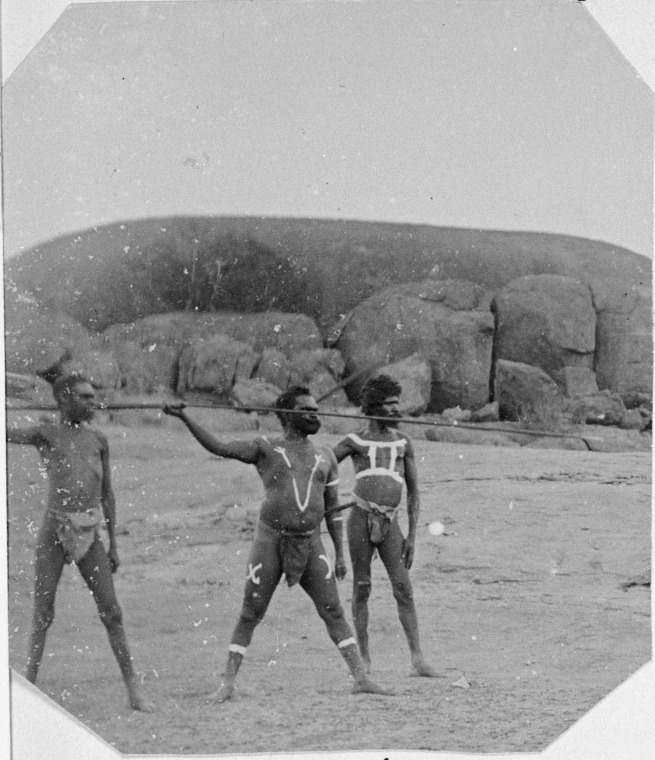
413,504
108,501
244,451
333,521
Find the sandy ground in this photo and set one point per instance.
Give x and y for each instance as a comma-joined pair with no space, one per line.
520,601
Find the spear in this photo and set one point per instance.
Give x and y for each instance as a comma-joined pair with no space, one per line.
340,508
355,417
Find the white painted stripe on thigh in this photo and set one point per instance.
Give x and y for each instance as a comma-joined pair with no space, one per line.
237,648
326,559
346,642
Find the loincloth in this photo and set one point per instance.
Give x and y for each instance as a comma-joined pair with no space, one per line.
295,549
378,519
76,531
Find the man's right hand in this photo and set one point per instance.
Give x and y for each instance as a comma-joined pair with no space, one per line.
174,410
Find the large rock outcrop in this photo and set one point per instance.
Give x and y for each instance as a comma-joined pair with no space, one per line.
547,321
449,323
527,394
145,369
324,269
273,368
214,365
624,341
148,351
415,378
602,408
288,333
36,337
321,371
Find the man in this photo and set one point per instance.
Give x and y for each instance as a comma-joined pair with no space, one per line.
76,459
384,462
300,486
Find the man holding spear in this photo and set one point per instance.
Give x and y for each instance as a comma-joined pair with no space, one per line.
300,484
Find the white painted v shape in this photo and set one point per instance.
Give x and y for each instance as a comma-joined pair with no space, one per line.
302,505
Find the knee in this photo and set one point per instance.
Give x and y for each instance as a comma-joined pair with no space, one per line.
403,593
111,616
331,613
251,615
361,591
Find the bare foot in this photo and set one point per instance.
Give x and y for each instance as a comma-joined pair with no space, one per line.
421,669
222,695
137,702
366,686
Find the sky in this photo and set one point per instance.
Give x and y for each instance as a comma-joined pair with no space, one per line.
497,114
630,24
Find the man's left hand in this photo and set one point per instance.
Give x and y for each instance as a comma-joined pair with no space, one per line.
407,555
112,554
340,568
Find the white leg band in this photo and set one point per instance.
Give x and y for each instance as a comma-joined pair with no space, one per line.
237,648
346,643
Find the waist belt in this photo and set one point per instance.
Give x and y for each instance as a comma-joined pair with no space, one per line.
76,531
78,520
372,507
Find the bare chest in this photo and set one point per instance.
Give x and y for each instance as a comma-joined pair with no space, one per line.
73,456
298,473
378,458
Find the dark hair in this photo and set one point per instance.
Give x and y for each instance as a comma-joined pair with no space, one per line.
56,371
288,399
377,390
63,386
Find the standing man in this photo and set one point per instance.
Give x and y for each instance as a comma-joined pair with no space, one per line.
384,462
76,459
300,484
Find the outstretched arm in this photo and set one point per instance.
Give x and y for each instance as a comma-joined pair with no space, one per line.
334,521
29,436
108,501
244,451
413,504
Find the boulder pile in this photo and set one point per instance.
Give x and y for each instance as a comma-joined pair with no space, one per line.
478,326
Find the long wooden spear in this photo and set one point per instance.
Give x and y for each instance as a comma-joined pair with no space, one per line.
356,417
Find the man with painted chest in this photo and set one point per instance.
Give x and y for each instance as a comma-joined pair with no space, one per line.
300,484
384,462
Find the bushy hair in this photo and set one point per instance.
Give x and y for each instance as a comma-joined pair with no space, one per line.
377,390
63,386
288,399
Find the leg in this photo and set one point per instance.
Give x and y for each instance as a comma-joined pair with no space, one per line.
319,582
96,571
390,553
264,573
361,553
49,563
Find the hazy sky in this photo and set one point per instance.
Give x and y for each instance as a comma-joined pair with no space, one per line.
631,25
505,114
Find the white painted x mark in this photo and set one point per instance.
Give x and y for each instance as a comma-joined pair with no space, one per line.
252,573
